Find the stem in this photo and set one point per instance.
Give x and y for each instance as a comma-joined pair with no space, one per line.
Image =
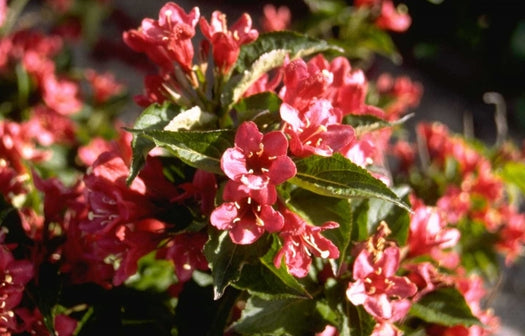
223,312
500,115
13,13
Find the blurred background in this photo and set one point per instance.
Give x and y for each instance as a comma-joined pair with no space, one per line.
458,51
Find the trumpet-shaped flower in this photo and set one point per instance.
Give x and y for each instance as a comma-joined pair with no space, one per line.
376,287
258,160
318,130
226,42
301,241
168,38
428,234
304,82
248,213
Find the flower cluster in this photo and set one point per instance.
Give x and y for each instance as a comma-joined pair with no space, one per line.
260,167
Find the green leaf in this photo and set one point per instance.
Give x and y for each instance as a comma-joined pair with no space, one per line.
238,85
297,45
514,173
359,219
262,108
279,317
338,177
379,41
350,320
152,274
318,209
199,149
264,280
398,219
337,302
227,259
445,306
267,52
361,323
23,85
365,123
328,7
154,117
191,119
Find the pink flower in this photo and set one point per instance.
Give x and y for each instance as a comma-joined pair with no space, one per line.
376,284
121,145
402,93
202,189
428,234
3,11
258,160
385,328
362,151
104,85
62,95
275,19
427,278
58,199
111,201
129,245
49,127
454,204
154,91
248,213
304,82
185,251
318,130
392,18
512,234
168,38
16,146
14,275
351,94
157,53
226,42
301,241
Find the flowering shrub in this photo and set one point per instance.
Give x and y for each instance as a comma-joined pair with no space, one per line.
266,188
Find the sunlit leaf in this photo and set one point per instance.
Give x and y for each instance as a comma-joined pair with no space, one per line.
154,117
445,306
199,149
337,176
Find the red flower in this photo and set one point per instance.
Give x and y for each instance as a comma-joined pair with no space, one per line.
428,234
258,160
185,250
226,42
109,198
3,11
318,130
376,284
391,18
202,189
104,85
300,241
248,213
48,127
14,275
62,95
168,38
304,82
275,19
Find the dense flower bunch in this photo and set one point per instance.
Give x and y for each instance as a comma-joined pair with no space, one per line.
258,180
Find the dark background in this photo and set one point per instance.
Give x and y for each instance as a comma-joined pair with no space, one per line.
458,50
